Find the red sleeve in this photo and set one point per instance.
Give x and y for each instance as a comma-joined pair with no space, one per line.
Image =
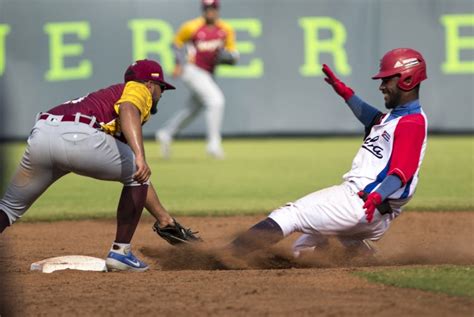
407,144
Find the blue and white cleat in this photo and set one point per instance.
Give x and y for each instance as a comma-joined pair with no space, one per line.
128,262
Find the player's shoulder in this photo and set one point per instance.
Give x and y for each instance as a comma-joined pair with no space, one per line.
119,86
193,23
412,122
224,25
413,118
136,88
112,90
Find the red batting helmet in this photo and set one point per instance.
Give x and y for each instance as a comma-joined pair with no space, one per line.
145,70
210,3
405,62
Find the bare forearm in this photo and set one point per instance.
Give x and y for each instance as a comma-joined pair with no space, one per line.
130,123
153,203
155,208
131,128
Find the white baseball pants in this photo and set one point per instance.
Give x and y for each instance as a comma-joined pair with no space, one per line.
204,93
334,211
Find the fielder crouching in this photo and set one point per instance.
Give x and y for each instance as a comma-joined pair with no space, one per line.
384,172
100,136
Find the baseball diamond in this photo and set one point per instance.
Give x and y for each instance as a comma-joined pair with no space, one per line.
289,164
269,284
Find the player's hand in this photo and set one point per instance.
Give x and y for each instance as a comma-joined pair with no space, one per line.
373,200
340,88
143,172
177,71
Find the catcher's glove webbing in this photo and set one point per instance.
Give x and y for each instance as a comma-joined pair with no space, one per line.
176,234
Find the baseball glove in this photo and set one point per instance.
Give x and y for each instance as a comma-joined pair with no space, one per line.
176,234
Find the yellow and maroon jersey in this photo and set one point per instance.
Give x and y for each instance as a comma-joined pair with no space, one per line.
204,41
104,104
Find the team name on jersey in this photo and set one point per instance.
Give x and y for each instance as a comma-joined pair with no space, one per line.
209,46
370,144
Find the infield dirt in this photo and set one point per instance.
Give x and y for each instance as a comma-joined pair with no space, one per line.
202,281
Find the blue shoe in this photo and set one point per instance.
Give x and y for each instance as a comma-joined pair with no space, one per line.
119,262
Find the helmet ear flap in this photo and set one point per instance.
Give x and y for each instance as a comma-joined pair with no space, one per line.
410,78
406,82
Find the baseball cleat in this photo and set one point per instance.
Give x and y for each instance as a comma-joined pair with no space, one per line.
216,152
119,262
165,143
364,248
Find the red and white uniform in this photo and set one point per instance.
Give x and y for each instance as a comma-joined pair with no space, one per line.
394,145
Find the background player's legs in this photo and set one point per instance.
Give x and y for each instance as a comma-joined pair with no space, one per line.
210,95
183,117
176,123
214,101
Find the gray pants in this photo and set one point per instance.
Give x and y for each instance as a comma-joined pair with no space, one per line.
204,93
57,148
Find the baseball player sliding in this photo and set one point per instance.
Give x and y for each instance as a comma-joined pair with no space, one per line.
100,136
384,171
200,45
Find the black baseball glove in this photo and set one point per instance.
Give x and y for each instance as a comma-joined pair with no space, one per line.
176,234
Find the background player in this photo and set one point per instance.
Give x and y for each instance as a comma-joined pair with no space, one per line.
384,172
100,136
200,45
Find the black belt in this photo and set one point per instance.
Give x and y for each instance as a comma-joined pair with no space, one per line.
383,208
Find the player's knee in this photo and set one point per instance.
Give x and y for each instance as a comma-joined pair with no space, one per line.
269,226
216,102
262,235
286,218
4,221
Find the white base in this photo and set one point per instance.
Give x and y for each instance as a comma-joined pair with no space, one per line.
70,262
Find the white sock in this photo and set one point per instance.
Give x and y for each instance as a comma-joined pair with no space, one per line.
121,248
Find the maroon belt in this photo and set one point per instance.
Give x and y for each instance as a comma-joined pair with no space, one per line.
72,118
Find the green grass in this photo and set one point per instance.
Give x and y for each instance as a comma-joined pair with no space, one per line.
451,280
257,176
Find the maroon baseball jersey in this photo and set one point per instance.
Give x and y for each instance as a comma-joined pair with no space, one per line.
104,104
204,41
99,104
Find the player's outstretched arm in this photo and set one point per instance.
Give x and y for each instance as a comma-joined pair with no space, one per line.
155,208
166,226
339,87
362,110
